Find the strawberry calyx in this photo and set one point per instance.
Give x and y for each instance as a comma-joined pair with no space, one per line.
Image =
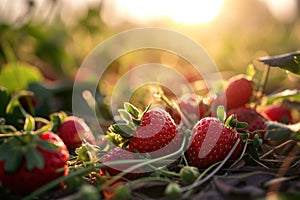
130,120
57,119
230,121
22,145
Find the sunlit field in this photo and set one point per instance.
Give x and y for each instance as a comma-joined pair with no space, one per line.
149,99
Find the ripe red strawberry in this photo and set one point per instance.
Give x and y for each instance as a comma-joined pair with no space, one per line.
278,113
156,131
211,142
255,120
192,107
27,165
152,131
117,154
73,131
238,91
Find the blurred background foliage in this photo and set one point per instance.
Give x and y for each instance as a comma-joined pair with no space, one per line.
55,36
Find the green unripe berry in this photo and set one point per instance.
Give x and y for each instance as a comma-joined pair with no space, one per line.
88,192
122,192
188,175
173,190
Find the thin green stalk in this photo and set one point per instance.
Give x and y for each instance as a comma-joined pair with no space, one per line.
145,179
57,181
166,172
263,84
139,162
185,160
148,162
82,171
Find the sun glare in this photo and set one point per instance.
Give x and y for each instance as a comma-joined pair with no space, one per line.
195,11
182,11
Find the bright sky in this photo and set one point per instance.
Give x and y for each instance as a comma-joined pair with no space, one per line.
116,12
141,11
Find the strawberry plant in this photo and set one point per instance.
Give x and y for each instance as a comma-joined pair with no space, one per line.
32,158
191,148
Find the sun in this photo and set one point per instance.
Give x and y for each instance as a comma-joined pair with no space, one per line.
195,11
182,11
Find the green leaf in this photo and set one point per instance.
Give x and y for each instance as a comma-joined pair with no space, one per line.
14,162
277,132
241,125
231,122
29,124
221,113
234,123
34,158
4,149
286,94
288,61
17,76
48,146
252,151
132,109
123,129
125,115
146,110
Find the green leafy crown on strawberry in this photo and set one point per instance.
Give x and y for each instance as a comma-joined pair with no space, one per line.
131,119
22,144
146,131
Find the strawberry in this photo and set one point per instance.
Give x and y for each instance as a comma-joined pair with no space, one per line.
117,154
156,131
73,131
211,141
153,131
192,107
278,113
30,160
238,91
255,120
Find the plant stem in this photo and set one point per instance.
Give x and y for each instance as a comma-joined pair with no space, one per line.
263,84
147,162
57,181
142,180
166,172
138,162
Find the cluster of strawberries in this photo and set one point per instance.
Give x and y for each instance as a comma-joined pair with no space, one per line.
36,155
212,137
